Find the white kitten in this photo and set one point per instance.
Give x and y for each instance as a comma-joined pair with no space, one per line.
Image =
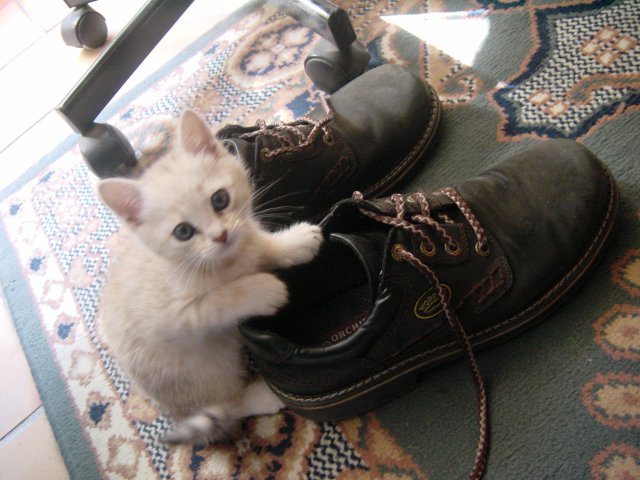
196,264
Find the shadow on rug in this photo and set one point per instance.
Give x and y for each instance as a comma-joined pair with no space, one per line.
565,397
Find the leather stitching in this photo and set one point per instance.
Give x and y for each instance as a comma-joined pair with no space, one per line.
343,168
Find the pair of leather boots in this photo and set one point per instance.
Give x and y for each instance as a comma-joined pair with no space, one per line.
408,281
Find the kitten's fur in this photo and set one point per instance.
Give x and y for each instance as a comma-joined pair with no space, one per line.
170,308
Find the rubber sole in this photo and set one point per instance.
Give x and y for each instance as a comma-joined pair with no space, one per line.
396,380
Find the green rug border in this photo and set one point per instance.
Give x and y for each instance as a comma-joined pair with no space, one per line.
78,455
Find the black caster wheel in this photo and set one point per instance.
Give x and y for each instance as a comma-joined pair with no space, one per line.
330,67
107,151
84,28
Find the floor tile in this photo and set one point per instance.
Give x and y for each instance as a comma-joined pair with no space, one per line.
35,99
17,32
31,452
31,146
45,13
37,81
18,397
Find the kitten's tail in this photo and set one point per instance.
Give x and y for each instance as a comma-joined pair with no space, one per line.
208,426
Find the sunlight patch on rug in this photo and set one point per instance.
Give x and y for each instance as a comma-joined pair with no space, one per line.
458,34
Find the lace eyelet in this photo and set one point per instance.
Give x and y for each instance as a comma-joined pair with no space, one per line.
395,252
264,155
427,250
328,140
482,249
454,249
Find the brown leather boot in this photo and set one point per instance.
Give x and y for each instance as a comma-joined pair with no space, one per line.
367,136
407,282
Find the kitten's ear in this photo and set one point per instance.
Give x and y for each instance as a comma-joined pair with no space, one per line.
195,134
123,197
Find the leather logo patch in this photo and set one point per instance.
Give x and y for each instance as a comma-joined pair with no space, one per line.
428,305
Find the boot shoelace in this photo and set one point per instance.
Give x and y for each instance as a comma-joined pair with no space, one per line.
297,140
399,253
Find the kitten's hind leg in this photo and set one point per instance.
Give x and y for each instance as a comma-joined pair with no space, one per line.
220,422
203,428
256,399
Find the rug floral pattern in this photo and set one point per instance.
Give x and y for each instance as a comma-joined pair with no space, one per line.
613,397
62,234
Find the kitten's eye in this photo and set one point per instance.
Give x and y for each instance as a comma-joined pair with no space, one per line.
184,231
220,200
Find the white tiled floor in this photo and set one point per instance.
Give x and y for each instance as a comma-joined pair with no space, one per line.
36,71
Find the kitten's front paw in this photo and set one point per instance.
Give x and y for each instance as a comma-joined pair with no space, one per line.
270,294
303,242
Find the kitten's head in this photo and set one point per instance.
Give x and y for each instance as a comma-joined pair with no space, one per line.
192,205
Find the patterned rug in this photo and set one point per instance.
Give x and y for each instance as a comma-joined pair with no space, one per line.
564,397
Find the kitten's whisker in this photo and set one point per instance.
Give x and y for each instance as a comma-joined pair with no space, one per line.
274,219
181,267
186,269
246,210
237,222
208,261
275,225
283,209
278,199
259,192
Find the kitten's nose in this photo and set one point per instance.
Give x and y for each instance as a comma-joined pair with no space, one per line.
222,238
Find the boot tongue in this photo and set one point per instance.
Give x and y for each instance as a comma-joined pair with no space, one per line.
274,137
368,248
